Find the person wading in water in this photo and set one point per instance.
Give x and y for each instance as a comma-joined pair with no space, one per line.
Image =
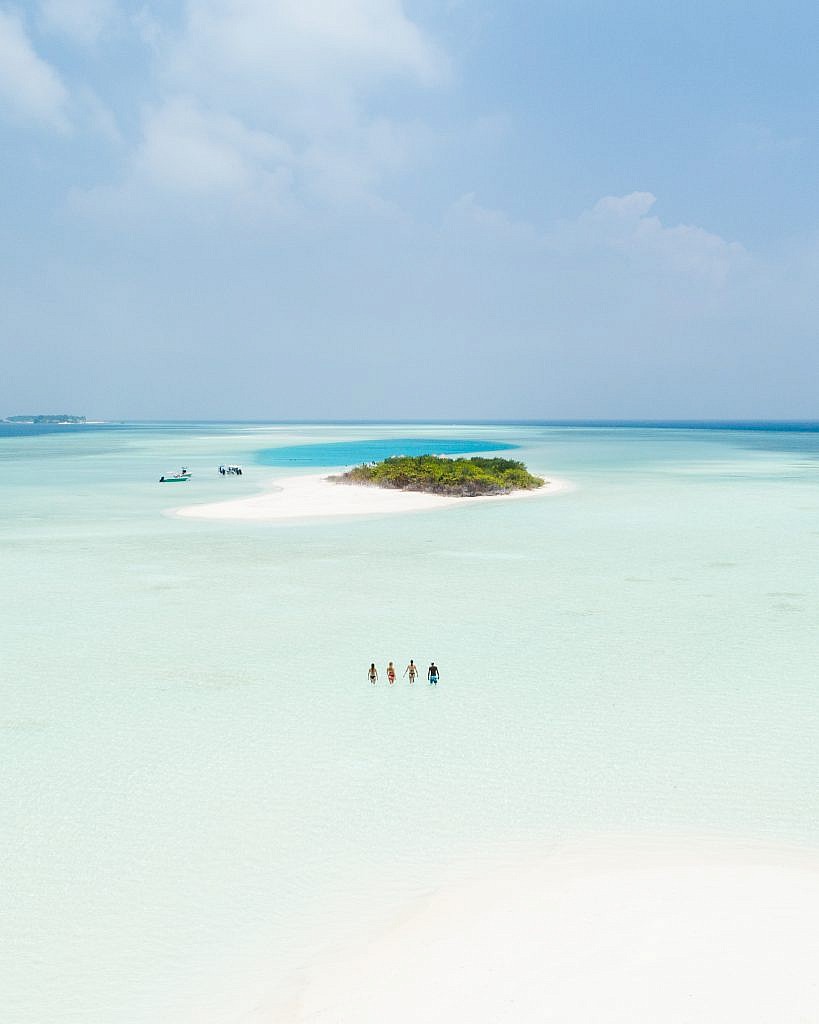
432,674
412,669
372,675
391,673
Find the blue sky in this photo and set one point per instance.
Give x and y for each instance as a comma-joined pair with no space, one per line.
363,208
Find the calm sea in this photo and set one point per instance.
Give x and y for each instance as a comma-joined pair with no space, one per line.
199,786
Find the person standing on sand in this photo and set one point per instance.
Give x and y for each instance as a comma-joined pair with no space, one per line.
412,668
391,673
372,675
432,674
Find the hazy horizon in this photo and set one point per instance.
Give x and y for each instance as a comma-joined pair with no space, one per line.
739,423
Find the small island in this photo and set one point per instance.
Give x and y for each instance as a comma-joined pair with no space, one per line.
61,419
397,485
460,478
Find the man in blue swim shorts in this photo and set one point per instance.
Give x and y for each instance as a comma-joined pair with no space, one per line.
432,674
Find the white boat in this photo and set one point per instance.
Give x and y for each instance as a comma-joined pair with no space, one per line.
176,478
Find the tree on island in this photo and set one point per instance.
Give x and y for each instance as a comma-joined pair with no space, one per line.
437,475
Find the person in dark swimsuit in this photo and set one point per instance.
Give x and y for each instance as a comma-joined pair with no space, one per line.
432,674
372,675
412,668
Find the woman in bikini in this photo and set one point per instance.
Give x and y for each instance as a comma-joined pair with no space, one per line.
391,673
372,675
412,669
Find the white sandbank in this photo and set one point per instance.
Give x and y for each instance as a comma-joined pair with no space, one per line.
304,497
632,932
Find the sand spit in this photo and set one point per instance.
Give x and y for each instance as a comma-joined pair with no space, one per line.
634,933
314,496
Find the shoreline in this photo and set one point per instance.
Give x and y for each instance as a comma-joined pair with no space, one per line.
314,496
616,930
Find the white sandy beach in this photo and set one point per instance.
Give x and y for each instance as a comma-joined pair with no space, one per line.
628,932
314,496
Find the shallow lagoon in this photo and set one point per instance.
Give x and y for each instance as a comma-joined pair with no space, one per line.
199,784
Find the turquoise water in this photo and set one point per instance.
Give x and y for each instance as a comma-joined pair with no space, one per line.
199,785
351,453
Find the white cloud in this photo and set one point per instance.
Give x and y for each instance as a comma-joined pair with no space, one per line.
271,98
468,208
616,231
81,20
193,161
630,207
348,171
190,152
625,223
29,86
301,69
186,149
303,44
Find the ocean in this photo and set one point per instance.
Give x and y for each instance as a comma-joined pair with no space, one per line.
201,792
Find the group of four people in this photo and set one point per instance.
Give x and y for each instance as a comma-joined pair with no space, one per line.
411,670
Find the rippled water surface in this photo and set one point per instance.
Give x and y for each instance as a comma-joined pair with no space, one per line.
198,782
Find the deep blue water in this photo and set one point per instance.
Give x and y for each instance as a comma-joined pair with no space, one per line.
348,453
794,436
753,426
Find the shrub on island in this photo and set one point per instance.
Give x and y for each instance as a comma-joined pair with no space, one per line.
459,477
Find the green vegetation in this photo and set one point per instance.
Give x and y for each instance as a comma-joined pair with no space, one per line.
460,477
51,418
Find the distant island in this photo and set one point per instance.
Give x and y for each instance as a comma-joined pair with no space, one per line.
59,418
464,478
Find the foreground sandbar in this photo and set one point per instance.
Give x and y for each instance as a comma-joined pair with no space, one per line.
306,497
636,933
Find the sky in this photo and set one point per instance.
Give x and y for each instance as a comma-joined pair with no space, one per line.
369,209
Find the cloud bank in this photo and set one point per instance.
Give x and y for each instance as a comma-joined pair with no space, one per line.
305,208
266,105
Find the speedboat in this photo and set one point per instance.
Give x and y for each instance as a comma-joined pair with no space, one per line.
176,478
